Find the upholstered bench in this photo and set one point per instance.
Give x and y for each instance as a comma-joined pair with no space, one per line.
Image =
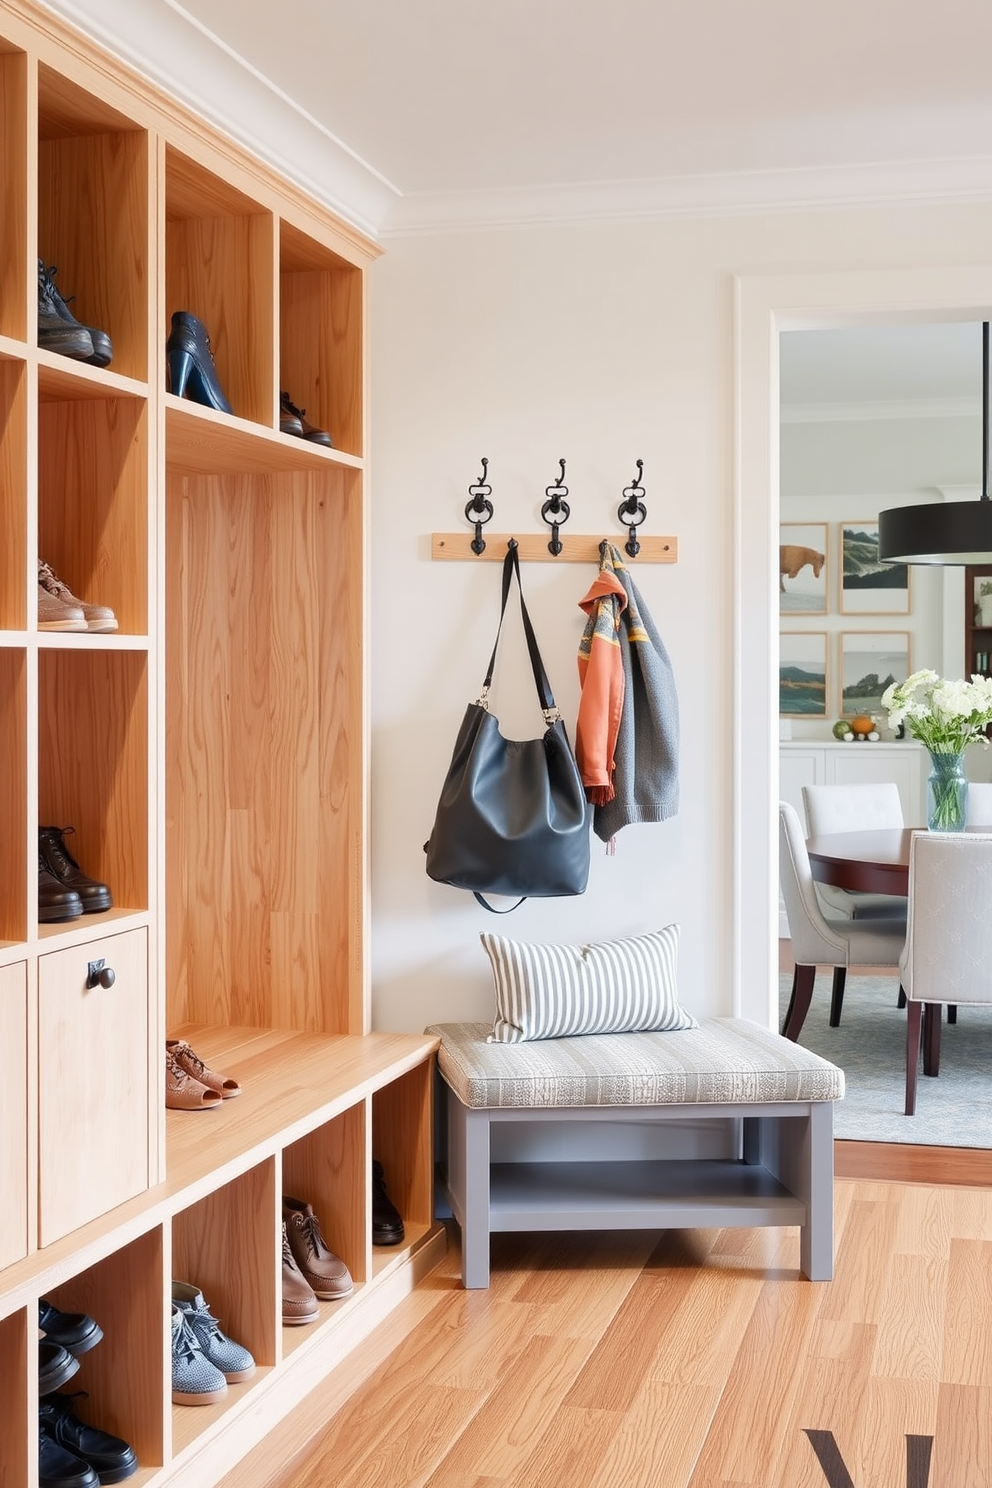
774,1098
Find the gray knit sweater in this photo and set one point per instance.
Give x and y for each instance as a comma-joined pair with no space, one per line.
646,779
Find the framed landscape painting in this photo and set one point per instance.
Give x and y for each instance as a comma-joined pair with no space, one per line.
868,586
869,661
802,584
802,674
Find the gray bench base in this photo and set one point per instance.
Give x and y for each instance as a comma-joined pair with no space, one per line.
783,1176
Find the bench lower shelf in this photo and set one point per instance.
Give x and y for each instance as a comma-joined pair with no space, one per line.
637,1195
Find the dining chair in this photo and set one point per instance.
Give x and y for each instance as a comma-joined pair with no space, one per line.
854,808
946,957
820,940
979,809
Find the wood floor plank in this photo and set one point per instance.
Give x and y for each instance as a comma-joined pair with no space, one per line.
513,1419
660,1437
912,1319
829,1396
571,1451
893,1409
962,1447
863,1254
744,1442
967,1356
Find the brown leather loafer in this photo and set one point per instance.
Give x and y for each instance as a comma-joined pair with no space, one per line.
324,1272
299,1301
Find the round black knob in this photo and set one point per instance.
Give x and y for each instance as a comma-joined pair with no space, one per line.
108,976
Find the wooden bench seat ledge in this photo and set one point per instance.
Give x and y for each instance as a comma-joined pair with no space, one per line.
779,1094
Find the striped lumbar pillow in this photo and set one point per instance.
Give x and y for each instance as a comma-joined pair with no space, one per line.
552,991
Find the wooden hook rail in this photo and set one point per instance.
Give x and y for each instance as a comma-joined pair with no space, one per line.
455,547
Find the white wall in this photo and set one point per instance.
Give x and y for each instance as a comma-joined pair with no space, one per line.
601,344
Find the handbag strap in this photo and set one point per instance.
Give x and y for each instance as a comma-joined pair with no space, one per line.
511,566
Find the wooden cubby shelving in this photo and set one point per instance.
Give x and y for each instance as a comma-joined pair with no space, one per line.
211,755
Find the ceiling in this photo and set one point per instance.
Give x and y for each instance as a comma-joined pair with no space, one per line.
410,115
881,371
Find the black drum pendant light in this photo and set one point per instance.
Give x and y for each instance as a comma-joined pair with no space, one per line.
944,531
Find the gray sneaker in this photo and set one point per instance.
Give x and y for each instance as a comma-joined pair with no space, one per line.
234,1362
195,1381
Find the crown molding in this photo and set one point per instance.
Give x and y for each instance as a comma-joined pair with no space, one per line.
880,410
881,183
166,44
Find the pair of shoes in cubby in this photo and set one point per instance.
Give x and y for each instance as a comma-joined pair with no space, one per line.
64,891
60,331
310,1269
204,1360
190,1085
60,609
71,1452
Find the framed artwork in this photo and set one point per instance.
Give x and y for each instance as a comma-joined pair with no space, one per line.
869,661
802,584
802,674
868,586
982,600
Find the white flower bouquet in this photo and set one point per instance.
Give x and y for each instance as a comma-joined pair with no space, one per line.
944,715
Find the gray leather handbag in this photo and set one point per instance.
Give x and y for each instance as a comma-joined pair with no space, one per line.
513,817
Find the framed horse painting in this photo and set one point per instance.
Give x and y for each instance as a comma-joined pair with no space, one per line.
802,585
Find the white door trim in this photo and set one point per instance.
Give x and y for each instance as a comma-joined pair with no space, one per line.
764,306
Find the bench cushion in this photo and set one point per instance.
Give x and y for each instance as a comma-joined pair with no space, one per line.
724,1061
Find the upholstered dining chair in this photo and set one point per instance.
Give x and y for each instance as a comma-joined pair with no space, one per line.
819,940
979,810
854,808
946,956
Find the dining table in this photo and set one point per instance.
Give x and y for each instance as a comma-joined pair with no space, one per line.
877,862
873,862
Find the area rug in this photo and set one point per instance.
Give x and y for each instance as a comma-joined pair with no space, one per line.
952,1110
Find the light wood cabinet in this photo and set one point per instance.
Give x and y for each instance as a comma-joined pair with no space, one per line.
211,755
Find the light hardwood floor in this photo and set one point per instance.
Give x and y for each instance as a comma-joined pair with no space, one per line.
691,1359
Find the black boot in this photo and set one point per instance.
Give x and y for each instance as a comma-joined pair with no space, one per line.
95,896
103,350
191,364
111,1458
58,332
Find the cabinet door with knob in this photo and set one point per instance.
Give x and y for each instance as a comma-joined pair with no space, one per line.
93,1078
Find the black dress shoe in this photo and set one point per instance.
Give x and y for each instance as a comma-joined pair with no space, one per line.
103,350
55,901
293,420
190,363
93,895
55,332
58,1468
110,1457
55,1366
75,1331
387,1225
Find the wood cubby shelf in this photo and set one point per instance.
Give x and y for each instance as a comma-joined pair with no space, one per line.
211,755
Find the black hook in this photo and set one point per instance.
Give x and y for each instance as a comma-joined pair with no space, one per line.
558,507
632,511
479,509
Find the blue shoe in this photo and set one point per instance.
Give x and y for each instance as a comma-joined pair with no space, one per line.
232,1359
190,363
